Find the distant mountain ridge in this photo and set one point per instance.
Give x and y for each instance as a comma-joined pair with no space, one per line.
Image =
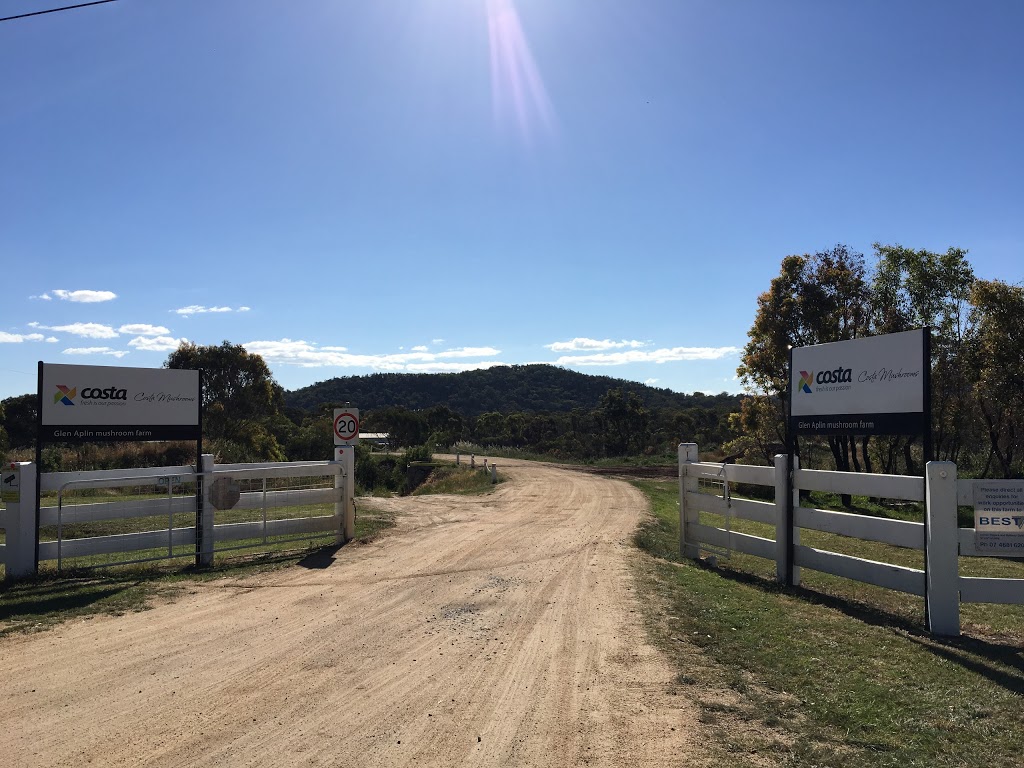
517,388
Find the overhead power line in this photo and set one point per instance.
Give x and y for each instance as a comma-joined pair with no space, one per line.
55,10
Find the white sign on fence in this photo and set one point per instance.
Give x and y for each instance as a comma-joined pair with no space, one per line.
346,426
84,403
999,517
873,385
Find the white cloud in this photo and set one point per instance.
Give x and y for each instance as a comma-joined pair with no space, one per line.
468,352
308,355
675,354
651,382
436,342
452,367
52,339
18,338
143,329
95,351
88,330
84,297
42,297
593,345
199,309
420,348
156,344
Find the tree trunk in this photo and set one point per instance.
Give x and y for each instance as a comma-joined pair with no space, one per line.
908,457
867,456
839,446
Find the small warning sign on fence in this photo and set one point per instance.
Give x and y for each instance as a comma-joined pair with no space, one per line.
10,485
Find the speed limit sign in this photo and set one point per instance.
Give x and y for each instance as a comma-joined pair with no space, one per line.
346,426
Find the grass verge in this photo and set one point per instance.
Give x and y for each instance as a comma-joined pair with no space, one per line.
460,480
828,675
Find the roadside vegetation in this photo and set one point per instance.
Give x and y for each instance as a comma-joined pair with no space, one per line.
460,480
834,673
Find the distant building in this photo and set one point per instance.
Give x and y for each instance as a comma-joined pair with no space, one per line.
376,439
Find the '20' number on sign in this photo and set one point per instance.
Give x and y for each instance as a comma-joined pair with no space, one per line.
346,425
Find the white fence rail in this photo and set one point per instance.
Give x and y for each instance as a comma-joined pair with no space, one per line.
275,502
941,541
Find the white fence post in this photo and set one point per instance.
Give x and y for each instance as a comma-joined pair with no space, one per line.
494,473
339,506
794,532
20,524
942,549
348,463
687,455
782,531
206,512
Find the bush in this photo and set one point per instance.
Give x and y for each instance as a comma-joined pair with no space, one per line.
418,453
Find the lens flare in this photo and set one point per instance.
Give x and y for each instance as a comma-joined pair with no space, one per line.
517,89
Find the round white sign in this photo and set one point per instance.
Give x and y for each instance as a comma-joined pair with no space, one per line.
346,425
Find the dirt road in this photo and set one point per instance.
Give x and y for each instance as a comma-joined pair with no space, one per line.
496,630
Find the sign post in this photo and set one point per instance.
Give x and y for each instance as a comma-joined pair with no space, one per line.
346,437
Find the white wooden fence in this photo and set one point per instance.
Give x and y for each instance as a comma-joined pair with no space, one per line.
939,536
263,489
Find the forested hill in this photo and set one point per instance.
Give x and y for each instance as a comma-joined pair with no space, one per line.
503,389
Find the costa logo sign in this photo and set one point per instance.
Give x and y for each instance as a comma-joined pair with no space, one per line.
94,402
838,376
110,393
65,395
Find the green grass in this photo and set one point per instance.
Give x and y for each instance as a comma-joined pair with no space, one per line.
830,674
459,480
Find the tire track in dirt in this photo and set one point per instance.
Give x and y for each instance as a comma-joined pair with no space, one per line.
488,630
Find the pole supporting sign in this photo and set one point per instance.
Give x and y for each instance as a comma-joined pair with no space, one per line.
877,385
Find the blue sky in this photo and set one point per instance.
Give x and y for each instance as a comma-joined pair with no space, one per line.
349,186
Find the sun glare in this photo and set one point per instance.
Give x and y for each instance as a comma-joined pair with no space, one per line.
517,89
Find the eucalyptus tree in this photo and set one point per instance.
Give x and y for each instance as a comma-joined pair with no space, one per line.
918,288
815,299
241,400
997,355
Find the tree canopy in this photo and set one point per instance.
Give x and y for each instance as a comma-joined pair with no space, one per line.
241,401
976,350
